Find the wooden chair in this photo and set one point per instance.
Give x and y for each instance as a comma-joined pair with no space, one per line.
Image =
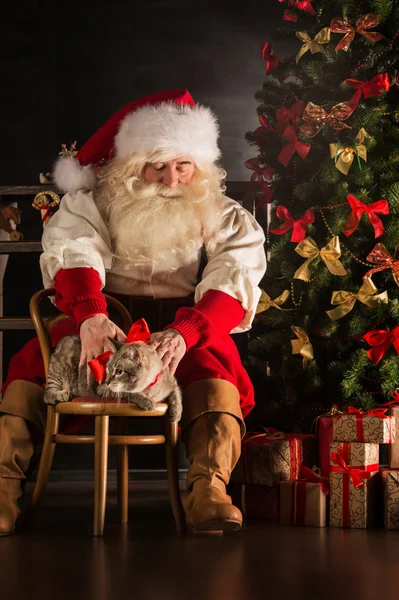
102,410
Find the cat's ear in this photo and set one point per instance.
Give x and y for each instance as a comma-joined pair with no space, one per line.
115,345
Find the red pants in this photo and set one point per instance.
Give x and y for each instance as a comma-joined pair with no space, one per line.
220,361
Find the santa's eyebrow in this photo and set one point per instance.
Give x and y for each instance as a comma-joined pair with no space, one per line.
185,162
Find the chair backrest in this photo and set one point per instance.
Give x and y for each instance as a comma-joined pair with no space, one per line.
44,324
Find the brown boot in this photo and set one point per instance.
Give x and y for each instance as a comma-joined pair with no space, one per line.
213,444
17,446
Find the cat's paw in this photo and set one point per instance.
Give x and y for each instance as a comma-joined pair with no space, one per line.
55,397
174,413
146,404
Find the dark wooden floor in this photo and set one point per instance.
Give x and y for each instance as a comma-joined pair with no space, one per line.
57,558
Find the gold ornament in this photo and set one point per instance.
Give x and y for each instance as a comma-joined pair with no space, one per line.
46,202
346,300
344,155
265,302
315,45
330,255
302,345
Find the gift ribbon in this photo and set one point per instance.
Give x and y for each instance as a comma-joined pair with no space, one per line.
380,256
267,55
344,155
367,89
361,26
316,117
267,197
359,416
314,45
138,332
288,116
294,145
312,476
299,491
346,300
372,210
298,226
302,345
265,302
380,340
330,255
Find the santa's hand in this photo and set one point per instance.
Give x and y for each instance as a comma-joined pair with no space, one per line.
170,346
94,334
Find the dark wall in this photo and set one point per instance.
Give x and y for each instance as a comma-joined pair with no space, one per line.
67,66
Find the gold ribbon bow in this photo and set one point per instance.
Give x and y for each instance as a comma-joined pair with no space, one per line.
344,155
346,300
302,345
330,255
315,45
265,302
316,117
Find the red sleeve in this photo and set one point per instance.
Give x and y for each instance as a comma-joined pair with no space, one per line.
78,293
213,317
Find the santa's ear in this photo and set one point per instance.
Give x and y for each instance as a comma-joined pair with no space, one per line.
115,345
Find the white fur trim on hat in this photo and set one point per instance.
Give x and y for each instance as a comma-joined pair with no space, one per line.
70,176
171,130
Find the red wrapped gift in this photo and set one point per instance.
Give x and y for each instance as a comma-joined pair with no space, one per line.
255,500
273,456
304,502
324,439
353,485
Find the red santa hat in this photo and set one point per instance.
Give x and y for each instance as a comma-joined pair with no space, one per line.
169,123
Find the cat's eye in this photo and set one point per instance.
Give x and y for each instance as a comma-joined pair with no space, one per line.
118,372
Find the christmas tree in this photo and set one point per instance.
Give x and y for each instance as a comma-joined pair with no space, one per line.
327,331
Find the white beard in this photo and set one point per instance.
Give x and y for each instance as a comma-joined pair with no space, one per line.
149,221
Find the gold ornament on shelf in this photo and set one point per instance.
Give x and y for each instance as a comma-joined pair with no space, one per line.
302,345
315,45
46,203
344,155
265,302
330,255
346,300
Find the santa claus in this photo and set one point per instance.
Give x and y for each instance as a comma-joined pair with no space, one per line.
145,215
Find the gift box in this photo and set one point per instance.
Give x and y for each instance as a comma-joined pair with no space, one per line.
393,449
255,500
270,457
324,439
390,480
353,484
374,426
304,502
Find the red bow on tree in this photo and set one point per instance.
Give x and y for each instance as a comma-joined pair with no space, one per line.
267,55
293,146
287,116
138,332
267,197
260,174
380,256
367,89
305,5
298,226
380,340
361,26
264,126
358,208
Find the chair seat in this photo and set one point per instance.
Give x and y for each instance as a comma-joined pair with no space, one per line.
96,406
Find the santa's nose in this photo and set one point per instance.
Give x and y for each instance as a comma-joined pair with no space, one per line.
170,176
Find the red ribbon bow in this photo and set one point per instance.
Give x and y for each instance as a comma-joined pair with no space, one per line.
138,332
367,89
267,55
260,174
356,475
264,126
293,146
358,208
380,256
305,5
298,226
312,477
362,24
374,412
380,340
267,197
286,116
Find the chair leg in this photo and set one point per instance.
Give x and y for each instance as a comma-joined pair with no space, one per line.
173,475
122,473
46,460
100,472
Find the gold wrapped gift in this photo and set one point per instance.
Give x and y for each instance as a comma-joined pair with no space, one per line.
391,498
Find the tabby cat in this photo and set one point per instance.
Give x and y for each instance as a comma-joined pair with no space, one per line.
133,372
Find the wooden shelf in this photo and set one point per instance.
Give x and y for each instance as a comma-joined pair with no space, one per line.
21,323
25,190
12,247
